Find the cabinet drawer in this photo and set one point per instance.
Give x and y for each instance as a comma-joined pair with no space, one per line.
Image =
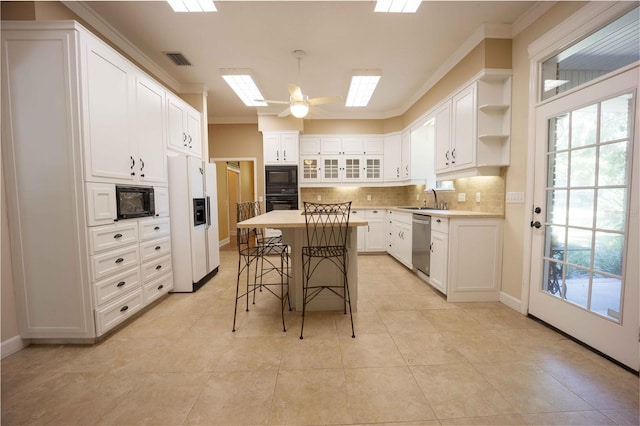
153,228
109,237
157,288
440,224
377,213
156,268
114,287
118,311
152,249
111,262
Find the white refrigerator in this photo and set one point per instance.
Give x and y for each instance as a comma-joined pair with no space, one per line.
193,205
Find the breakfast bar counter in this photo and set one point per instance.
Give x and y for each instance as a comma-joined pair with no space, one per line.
293,227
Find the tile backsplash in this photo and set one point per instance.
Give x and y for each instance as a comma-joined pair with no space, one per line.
491,189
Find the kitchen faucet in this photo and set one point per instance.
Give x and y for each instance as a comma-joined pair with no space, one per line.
435,196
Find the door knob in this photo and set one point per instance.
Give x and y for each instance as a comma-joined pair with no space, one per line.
536,224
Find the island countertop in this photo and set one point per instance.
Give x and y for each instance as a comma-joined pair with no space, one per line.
287,219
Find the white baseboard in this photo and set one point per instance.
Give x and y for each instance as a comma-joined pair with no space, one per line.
511,302
13,345
224,242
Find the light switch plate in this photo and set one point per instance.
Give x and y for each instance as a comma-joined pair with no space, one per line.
368,197
515,198
478,197
462,196
319,197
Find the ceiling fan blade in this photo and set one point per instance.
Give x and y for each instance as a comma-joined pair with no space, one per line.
272,102
325,100
285,113
295,92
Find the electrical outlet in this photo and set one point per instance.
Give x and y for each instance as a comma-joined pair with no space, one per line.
417,197
477,197
368,197
462,197
319,197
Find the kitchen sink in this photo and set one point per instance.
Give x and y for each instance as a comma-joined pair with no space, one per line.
417,208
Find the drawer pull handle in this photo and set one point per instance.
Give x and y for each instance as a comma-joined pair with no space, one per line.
158,247
438,220
119,260
158,267
124,308
157,228
160,287
117,236
121,283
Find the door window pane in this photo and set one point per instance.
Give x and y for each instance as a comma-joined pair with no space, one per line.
614,118
583,126
581,207
583,167
558,166
612,164
559,133
557,214
611,209
608,253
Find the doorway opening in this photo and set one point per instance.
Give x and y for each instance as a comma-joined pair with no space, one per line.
237,182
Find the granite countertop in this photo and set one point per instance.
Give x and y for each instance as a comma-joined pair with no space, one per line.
434,212
287,219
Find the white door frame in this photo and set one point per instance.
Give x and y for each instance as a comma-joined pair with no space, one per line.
585,21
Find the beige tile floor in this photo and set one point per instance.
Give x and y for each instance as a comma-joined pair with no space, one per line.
416,360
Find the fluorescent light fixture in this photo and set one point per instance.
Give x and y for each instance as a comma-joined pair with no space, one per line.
552,84
192,5
243,85
397,6
363,83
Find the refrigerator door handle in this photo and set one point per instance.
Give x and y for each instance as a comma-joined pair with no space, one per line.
208,208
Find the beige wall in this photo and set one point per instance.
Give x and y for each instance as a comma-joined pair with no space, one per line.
313,127
516,215
246,181
223,200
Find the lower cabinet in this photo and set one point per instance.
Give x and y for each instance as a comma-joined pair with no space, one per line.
466,256
371,238
399,230
130,268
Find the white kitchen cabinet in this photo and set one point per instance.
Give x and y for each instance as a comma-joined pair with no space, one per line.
280,148
371,238
405,170
108,81
397,157
400,228
124,119
475,260
184,127
69,262
473,128
150,131
310,145
309,168
372,169
373,145
439,253
161,196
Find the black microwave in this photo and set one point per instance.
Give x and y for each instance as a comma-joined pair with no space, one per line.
135,201
281,179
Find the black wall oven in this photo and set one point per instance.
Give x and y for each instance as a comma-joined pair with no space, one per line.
281,184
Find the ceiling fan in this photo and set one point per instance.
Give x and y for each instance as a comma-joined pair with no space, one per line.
299,103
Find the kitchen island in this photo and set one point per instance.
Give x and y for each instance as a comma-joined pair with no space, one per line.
293,227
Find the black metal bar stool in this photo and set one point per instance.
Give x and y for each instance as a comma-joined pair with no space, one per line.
327,228
253,250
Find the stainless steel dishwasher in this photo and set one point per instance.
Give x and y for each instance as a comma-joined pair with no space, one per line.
421,243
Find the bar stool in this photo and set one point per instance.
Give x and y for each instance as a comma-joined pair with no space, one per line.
253,250
327,226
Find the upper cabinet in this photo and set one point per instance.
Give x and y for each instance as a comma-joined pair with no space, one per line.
341,159
473,128
280,148
184,127
125,120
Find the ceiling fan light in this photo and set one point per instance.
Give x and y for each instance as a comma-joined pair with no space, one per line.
299,109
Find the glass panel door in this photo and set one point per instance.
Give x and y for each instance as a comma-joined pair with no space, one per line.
584,263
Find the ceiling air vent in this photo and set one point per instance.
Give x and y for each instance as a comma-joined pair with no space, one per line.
178,58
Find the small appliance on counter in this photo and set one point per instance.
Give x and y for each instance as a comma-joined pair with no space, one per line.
193,201
281,184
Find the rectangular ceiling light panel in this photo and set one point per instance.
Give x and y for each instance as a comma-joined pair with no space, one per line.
361,90
397,6
192,5
244,86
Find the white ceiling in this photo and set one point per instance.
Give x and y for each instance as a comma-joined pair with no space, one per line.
338,36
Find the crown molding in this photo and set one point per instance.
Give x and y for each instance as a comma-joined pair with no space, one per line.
84,11
530,16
